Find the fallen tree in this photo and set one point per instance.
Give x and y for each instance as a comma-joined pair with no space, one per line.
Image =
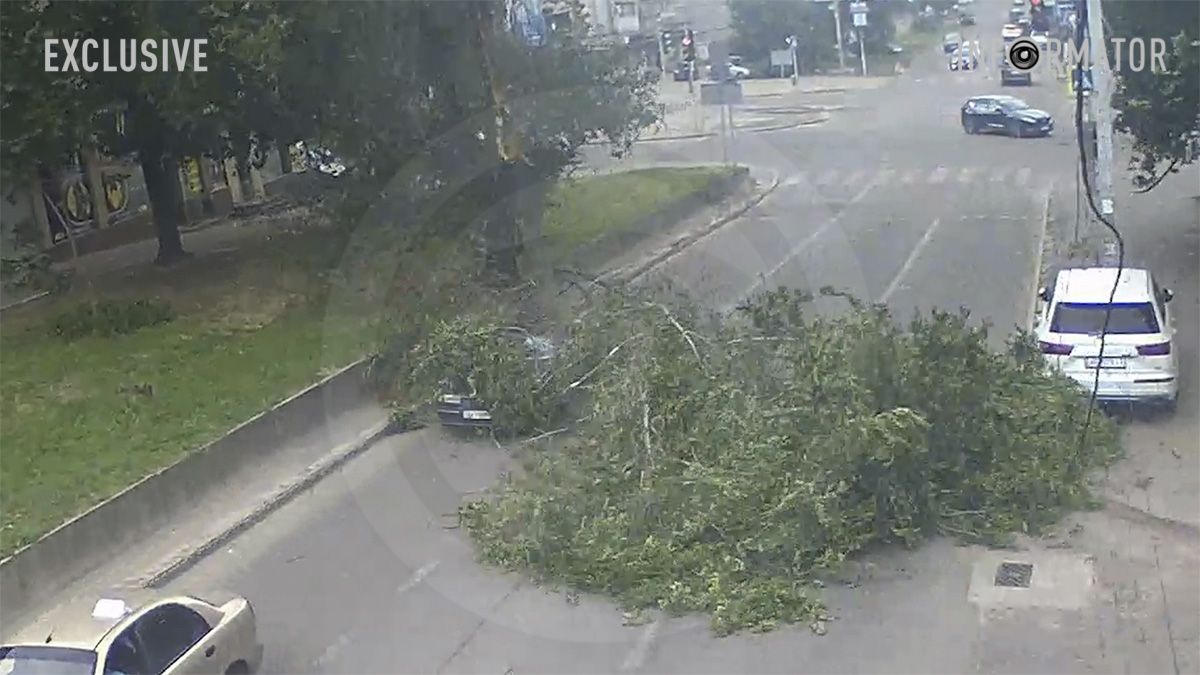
721,466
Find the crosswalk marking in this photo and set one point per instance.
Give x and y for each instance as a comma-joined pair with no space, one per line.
966,175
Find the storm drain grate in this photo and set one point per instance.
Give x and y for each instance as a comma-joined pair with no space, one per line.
1014,575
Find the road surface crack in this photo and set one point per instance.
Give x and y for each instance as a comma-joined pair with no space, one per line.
458,649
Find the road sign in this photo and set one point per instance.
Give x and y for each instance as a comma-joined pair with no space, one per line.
721,93
858,8
860,19
781,58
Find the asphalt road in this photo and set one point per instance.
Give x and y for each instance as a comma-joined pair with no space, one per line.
889,200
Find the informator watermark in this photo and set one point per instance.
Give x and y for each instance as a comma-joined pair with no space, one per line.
88,55
1130,55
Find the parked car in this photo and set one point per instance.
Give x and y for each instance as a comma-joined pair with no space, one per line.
1015,15
1139,361
951,43
738,72
966,20
160,635
966,59
1010,31
464,409
1005,114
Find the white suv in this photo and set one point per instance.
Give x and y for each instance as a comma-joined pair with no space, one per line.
1139,363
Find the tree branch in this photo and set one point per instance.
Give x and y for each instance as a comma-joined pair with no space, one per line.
1170,169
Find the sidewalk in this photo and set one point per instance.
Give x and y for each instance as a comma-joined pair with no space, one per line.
1161,474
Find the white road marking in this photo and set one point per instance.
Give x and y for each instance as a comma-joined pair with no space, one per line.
636,657
967,175
910,176
795,179
332,650
828,177
938,175
999,175
908,263
417,577
1023,176
804,244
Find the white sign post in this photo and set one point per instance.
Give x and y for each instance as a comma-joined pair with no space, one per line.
858,11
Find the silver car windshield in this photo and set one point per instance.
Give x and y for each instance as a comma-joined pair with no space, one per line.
39,660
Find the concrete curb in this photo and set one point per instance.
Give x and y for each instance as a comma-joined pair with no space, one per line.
72,550
681,137
312,475
25,301
791,125
632,272
1045,242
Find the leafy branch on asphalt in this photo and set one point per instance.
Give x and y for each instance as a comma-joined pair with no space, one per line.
722,466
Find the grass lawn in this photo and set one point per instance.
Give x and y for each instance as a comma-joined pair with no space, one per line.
79,422
582,211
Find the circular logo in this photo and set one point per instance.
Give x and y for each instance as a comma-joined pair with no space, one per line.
1023,54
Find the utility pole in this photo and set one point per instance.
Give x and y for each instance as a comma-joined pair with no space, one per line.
837,25
1102,114
794,43
862,52
662,45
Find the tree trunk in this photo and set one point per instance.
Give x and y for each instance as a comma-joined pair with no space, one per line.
504,229
285,158
206,186
162,186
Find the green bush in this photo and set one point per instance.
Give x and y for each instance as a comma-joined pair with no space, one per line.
721,466
110,317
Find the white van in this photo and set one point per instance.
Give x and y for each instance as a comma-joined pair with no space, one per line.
1139,361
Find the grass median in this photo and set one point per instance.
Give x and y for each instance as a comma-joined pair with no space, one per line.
83,419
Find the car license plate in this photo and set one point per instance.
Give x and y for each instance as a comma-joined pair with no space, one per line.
1111,362
476,415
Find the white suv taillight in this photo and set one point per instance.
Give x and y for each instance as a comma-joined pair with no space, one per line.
1055,348
1161,349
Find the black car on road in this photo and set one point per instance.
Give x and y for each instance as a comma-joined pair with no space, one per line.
1005,114
455,409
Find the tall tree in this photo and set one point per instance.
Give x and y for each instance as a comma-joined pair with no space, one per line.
168,115
1160,110
762,25
411,93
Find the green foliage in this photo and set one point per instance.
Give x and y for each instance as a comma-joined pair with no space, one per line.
1158,109
762,25
720,467
110,317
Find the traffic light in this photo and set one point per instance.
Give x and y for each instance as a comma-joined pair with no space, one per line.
668,41
689,46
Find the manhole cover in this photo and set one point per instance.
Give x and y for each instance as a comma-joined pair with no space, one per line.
1014,575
